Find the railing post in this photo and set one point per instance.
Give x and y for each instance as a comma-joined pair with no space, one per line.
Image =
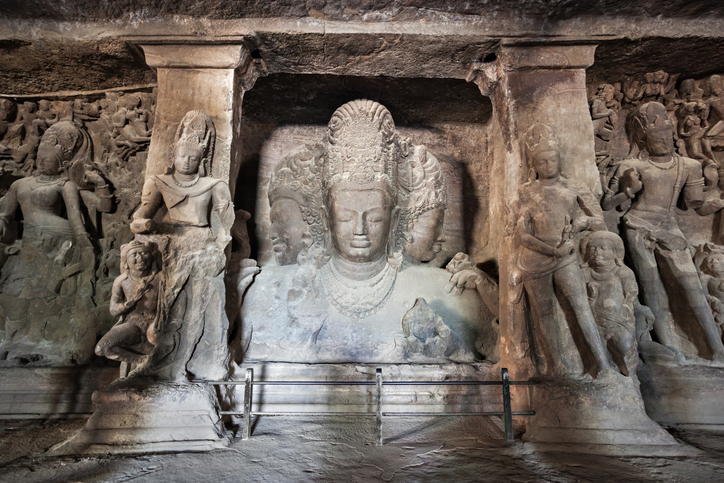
248,393
378,401
507,412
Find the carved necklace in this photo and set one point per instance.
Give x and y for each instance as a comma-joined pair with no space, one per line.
664,166
187,184
358,298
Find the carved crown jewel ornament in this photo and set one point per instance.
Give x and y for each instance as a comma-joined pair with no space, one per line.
361,146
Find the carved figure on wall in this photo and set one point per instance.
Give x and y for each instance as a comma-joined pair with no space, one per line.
55,261
604,108
715,90
135,300
195,211
552,209
692,127
295,198
423,199
336,305
612,293
650,229
710,261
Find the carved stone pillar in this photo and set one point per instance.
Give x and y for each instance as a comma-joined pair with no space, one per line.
206,77
530,84
161,405
547,84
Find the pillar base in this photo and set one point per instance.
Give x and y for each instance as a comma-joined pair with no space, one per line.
164,417
606,411
685,396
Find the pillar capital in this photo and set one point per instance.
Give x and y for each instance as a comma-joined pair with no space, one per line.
530,57
189,55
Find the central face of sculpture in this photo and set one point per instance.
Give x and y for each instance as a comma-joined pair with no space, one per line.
359,221
659,141
48,162
427,234
545,163
287,229
187,159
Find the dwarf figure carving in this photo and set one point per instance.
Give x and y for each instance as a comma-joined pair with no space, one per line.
135,299
612,291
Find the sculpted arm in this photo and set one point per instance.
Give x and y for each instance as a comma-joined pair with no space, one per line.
590,211
224,208
151,202
528,240
72,206
630,287
623,187
118,305
694,186
8,206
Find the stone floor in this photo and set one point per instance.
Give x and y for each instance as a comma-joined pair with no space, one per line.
341,449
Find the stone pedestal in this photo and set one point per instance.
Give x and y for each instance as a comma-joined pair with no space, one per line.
140,418
684,396
51,392
608,411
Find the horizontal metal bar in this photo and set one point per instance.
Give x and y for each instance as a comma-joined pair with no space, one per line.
441,414
241,413
367,383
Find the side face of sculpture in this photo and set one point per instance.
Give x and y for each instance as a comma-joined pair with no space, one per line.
295,193
428,235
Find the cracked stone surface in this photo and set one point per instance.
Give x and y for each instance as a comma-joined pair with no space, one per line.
342,449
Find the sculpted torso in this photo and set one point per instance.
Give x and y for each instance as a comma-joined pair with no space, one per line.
658,193
549,209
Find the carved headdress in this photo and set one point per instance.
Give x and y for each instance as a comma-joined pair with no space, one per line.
361,146
75,144
197,132
538,138
134,245
422,185
648,116
298,176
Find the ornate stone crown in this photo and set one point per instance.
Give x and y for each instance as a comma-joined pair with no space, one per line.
197,131
361,146
422,184
540,137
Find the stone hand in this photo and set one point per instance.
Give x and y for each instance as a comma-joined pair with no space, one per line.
142,225
579,224
592,290
246,275
95,178
631,183
469,278
565,249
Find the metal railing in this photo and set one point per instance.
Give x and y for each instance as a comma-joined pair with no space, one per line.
249,383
